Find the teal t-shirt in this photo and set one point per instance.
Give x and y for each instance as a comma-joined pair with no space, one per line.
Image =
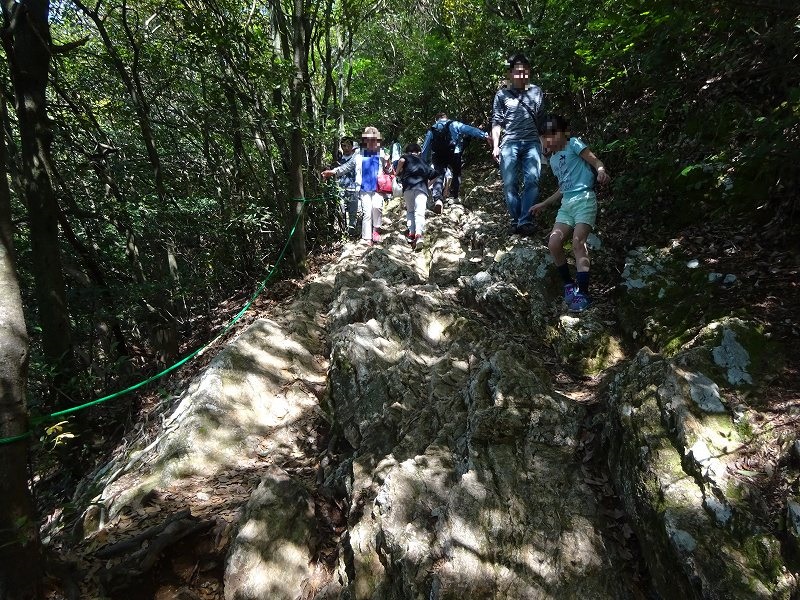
573,173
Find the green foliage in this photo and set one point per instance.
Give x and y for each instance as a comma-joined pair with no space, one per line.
56,435
694,107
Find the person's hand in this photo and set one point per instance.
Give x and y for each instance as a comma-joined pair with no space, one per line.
536,209
602,176
489,140
326,173
496,153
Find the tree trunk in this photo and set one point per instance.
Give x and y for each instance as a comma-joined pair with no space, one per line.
296,147
290,40
20,558
26,39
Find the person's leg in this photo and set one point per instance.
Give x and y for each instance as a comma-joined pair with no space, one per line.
377,215
455,168
408,198
352,213
509,170
555,243
531,159
420,200
581,251
437,188
340,223
584,209
438,183
366,216
580,300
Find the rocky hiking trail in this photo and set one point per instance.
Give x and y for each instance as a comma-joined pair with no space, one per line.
435,425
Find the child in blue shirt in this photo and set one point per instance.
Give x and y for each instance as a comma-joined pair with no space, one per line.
572,162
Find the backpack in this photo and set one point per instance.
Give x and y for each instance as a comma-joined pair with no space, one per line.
441,142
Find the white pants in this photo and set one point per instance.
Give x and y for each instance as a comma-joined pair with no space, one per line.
372,209
415,210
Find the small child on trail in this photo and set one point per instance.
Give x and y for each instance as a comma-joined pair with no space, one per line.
571,161
414,174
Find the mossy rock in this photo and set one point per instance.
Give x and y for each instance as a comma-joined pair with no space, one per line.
666,299
585,344
736,352
665,459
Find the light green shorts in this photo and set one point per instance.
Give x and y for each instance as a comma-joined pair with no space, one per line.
578,208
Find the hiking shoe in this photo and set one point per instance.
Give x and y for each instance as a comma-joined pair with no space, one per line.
512,229
579,303
570,290
438,206
418,243
527,230
376,237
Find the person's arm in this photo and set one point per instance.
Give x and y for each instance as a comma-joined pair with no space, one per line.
469,131
496,142
425,154
551,200
347,168
602,175
497,123
400,166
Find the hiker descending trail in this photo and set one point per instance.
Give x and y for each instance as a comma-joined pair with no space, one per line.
574,165
415,175
443,148
516,112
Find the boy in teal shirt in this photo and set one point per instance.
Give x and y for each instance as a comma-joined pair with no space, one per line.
572,162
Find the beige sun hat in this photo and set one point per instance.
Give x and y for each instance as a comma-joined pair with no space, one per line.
371,132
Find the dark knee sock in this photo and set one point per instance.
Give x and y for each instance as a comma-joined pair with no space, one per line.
583,282
563,270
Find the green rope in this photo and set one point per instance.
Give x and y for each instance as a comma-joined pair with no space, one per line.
42,419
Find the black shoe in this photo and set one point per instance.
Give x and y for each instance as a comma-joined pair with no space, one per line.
527,230
512,229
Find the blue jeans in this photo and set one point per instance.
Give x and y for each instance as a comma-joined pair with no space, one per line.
520,157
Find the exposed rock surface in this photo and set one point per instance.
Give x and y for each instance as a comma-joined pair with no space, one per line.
453,457
677,425
462,475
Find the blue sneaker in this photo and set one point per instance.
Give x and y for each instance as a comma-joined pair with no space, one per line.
570,290
579,303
